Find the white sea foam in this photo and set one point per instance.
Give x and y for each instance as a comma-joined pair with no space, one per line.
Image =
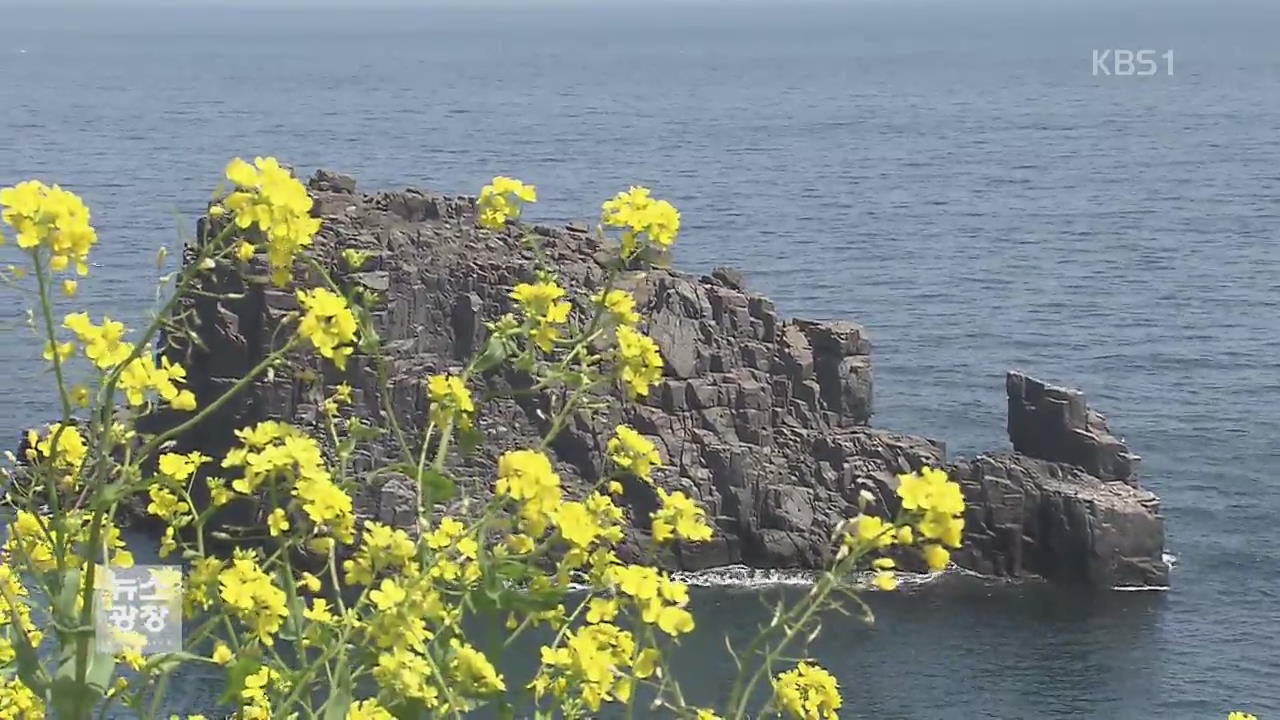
741,576
1141,588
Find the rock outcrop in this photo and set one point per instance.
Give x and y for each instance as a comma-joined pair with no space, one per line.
763,420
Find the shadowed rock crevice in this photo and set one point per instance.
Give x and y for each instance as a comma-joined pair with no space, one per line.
763,420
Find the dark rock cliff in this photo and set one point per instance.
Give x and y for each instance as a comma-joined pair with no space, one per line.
764,420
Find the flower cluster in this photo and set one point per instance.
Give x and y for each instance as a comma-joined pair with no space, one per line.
502,200
327,324
51,218
32,539
661,600
527,477
633,452
939,506
341,396
255,695
285,458
590,666
933,508
641,217
253,596
14,604
18,702
584,524
269,197
639,362
104,346
807,692
382,548
383,627
679,518
450,400
62,445
544,310
620,306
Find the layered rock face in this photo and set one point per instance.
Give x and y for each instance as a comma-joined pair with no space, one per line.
763,420
1069,492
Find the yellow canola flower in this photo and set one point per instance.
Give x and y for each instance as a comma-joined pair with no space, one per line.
278,522
874,531
633,452
503,200
473,672
382,547
940,502
450,399
267,196
620,304
180,466
602,610
679,518
583,524
52,219
884,578
640,216
446,534
327,505
930,489
639,362
588,665
807,692
251,595
407,674
527,477
320,612
166,506
542,305
63,444
936,557
327,324
222,655
104,344
368,710
18,702
661,600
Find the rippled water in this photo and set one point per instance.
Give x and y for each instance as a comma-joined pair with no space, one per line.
950,174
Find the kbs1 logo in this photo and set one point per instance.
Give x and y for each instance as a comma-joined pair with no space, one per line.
1129,63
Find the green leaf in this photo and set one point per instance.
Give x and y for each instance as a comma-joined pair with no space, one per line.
434,486
339,701
469,438
168,662
72,698
64,605
30,670
495,351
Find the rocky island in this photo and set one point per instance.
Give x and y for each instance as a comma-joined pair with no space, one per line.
764,420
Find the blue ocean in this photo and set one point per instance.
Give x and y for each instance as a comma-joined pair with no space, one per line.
954,174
